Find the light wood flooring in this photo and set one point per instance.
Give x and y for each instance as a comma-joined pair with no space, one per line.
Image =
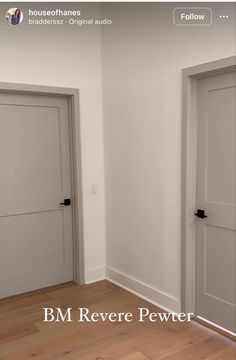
24,335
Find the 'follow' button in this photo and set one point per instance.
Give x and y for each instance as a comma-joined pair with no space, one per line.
193,16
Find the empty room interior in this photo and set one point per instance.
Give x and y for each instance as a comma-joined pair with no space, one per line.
117,181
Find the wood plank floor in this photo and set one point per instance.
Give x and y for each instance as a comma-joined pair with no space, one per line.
24,335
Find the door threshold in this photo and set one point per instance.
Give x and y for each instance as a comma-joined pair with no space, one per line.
229,334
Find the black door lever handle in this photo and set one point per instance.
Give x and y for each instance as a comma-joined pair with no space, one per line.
66,202
201,214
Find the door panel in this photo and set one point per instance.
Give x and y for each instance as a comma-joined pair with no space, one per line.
40,231
216,194
219,285
220,139
35,231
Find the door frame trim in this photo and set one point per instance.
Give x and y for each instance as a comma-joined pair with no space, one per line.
75,156
190,76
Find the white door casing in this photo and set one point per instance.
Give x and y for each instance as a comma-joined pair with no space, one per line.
35,231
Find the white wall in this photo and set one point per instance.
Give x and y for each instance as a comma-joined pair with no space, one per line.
68,57
143,54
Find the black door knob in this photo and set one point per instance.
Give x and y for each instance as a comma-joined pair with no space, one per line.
201,214
66,202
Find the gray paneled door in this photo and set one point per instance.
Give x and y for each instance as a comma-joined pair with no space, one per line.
216,194
35,230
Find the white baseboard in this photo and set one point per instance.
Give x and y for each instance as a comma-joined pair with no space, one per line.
145,291
94,274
